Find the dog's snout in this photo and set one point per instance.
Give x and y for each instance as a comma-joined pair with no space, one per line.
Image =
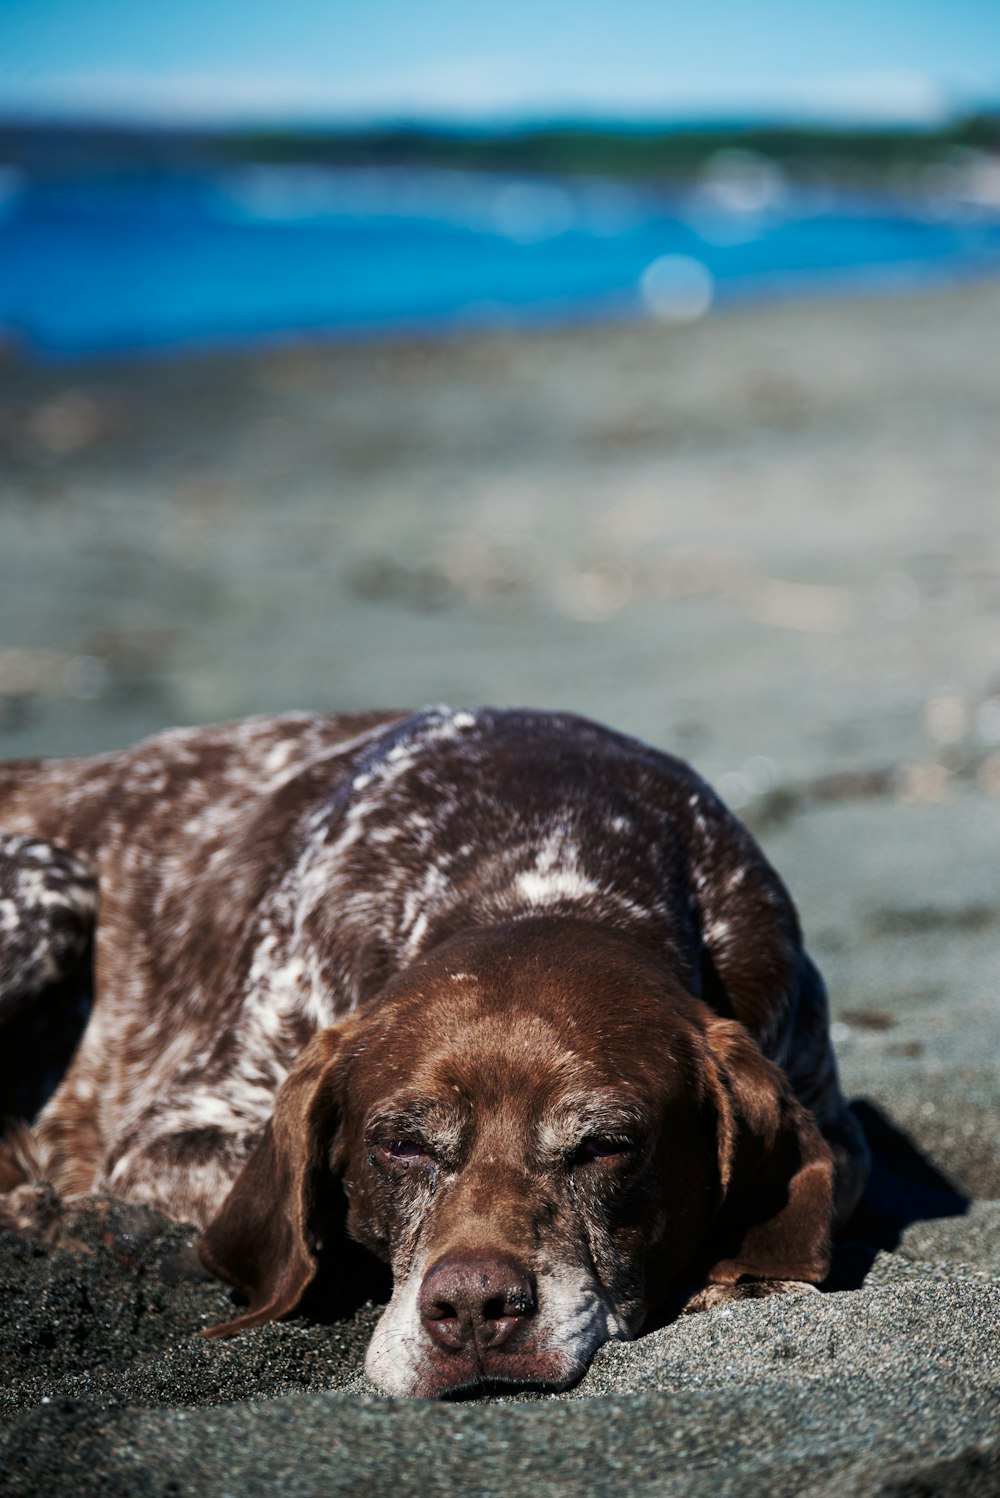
476,1298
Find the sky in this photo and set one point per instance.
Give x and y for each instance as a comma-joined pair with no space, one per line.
357,61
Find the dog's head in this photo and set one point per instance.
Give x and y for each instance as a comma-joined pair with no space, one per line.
544,1137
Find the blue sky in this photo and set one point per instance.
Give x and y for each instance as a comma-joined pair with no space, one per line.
356,60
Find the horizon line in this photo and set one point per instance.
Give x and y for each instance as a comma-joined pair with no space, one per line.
493,123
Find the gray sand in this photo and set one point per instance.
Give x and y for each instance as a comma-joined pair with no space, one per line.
769,543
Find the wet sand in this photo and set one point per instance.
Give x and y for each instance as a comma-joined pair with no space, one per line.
770,543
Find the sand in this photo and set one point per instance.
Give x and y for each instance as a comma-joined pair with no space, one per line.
768,542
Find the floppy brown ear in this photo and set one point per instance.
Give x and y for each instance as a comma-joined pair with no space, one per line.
776,1170
264,1239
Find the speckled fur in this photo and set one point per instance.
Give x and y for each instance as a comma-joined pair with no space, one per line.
261,881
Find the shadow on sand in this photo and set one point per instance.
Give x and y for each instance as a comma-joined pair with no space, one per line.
903,1187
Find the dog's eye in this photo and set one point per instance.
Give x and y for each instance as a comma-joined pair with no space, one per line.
403,1151
599,1148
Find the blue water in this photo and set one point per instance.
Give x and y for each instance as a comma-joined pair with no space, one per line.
160,263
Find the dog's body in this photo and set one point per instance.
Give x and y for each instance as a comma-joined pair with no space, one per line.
516,977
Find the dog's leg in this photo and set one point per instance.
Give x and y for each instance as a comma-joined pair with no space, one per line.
185,1173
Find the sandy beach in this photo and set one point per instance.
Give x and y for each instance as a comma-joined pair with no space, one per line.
768,542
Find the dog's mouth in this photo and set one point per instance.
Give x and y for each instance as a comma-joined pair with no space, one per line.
466,1377
499,1389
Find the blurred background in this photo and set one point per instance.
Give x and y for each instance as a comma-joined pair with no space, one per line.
636,359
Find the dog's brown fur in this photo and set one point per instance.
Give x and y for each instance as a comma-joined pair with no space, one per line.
522,986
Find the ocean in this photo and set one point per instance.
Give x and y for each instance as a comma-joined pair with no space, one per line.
156,263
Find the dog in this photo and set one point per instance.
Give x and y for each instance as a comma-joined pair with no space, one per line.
518,988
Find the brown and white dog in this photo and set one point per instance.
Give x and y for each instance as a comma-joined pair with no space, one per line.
520,987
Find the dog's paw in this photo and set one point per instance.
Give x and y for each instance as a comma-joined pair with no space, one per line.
711,1296
34,1210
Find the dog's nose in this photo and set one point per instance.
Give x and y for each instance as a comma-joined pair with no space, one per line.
480,1298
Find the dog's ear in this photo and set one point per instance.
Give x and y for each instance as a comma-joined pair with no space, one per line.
775,1168
265,1238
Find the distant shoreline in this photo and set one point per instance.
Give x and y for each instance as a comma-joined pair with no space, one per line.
664,151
